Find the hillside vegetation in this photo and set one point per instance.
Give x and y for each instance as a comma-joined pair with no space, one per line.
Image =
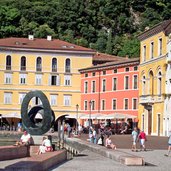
109,26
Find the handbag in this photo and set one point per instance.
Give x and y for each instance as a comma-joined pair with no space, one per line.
99,141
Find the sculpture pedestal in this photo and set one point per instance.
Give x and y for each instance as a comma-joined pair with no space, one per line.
37,139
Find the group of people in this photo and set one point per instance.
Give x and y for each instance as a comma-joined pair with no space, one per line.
100,140
25,140
138,136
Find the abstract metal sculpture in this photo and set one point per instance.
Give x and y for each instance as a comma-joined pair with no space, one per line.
28,117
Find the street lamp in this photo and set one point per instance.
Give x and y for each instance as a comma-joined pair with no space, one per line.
76,129
90,103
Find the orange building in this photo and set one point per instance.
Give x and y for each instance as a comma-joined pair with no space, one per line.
110,90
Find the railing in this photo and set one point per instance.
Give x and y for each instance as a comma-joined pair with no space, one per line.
151,99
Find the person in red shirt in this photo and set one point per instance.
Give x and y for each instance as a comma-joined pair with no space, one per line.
142,137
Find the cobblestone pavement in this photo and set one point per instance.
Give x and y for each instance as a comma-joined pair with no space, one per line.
125,141
89,161
154,157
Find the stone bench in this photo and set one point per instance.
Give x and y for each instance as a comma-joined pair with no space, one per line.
40,162
13,152
117,155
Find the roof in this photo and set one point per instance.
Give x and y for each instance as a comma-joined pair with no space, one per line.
164,26
115,64
40,44
106,57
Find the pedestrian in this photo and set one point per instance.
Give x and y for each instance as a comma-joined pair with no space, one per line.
109,143
94,136
142,137
169,144
25,139
134,139
46,146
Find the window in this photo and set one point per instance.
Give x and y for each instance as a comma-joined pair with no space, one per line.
86,87
54,65
37,101
55,80
93,88
144,53
115,71
23,63
85,105
104,72
38,79
8,62
160,46
135,104
86,75
39,64
126,69
67,100
126,104
23,78
67,80
143,85
103,85
53,99
126,82
8,78
135,68
67,65
159,82
152,50
92,105
21,97
93,74
114,104
135,83
103,104
114,84
7,98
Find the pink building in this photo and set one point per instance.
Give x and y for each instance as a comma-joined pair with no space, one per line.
111,89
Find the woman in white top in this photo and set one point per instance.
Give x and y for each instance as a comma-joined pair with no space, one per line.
45,147
109,143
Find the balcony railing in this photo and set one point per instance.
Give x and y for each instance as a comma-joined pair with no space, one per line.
150,99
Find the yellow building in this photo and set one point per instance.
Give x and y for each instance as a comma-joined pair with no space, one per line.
152,75
49,65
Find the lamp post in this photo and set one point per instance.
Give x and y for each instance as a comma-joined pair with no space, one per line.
76,129
90,103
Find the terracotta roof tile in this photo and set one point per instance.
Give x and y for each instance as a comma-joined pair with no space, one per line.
164,26
54,44
119,63
106,57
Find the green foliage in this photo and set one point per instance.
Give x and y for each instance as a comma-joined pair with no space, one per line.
104,25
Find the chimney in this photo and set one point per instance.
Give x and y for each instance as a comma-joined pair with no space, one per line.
49,38
31,37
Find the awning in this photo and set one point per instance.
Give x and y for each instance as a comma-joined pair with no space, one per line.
121,116
11,115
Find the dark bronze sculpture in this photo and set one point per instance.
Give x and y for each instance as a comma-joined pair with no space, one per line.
28,117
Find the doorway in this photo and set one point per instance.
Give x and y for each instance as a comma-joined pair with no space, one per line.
149,121
158,128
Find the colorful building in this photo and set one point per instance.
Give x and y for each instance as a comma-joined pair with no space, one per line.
49,65
153,70
110,89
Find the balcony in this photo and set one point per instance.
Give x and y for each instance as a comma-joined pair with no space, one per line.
150,99
146,99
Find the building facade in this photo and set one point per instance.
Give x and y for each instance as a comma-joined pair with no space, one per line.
110,88
153,71
49,65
